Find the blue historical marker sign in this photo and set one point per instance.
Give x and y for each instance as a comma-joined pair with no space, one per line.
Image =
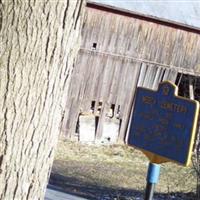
164,124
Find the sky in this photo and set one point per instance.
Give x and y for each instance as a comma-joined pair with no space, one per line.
181,11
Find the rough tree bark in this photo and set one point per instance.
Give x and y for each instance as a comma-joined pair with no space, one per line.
39,41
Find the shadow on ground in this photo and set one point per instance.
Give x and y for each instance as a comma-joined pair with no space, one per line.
95,192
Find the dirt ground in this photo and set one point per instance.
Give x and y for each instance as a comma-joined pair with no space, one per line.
116,172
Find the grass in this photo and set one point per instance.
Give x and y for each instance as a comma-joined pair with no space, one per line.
118,166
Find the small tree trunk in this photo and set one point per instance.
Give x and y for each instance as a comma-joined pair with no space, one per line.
191,88
197,143
39,42
196,162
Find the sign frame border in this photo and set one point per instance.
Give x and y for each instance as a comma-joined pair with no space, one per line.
155,158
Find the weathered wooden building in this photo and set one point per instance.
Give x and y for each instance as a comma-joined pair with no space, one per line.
122,50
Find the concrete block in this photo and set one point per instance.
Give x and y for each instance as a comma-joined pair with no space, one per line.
110,130
87,128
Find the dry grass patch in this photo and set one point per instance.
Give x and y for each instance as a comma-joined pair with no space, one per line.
118,166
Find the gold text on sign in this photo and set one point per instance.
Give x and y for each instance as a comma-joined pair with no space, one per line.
148,100
173,107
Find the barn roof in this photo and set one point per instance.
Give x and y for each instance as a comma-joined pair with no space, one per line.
181,12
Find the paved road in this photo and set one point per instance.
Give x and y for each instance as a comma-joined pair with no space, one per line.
54,194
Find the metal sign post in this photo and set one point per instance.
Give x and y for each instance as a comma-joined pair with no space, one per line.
163,127
152,179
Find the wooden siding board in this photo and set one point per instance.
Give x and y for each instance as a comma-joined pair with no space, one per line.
129,91
130,52
134,37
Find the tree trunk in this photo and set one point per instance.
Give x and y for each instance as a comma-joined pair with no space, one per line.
39,42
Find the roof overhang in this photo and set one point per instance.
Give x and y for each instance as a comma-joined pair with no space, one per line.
124,12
